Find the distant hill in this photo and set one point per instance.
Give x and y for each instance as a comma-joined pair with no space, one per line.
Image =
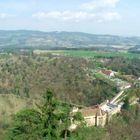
135,49
50,40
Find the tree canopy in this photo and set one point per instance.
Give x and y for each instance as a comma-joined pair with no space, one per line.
48,121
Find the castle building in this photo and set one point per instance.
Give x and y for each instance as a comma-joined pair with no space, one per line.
97,115
94,116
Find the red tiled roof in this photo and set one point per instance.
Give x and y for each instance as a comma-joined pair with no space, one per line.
107,72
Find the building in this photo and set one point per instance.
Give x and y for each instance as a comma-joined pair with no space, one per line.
93,116
108,73
97,115
111,109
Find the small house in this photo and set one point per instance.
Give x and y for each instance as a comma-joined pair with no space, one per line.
109,73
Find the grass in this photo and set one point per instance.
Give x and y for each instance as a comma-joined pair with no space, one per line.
10,105
89,54
99,76
80,53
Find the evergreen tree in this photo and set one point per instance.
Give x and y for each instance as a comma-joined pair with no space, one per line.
126,103
39,124
50,121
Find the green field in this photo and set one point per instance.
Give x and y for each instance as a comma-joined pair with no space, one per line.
80,53
86,53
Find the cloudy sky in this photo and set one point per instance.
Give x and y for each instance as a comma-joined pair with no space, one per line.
121,17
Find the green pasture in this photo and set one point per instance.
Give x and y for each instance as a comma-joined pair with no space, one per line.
80,53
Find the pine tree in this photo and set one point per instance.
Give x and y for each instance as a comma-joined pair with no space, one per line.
40,124
48,122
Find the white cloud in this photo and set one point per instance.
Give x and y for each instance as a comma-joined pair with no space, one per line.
111,16
105,10
95,4
77,16
96,10
64,15
5,15
108,16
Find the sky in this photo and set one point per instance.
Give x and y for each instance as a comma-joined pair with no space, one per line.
118,17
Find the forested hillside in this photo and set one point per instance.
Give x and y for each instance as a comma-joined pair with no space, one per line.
73,77
58,40
43,123
126,66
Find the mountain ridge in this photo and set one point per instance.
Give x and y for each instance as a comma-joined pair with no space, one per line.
63,39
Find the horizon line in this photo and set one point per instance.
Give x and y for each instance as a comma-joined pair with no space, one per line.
44,31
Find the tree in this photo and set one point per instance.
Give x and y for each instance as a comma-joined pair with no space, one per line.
31,124
68,118
50,117
126,103
47,122
26,125
26,91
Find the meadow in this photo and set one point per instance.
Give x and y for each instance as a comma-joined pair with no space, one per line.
98,54
89,54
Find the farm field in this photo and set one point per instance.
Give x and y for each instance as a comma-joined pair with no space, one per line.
80,53
86,53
